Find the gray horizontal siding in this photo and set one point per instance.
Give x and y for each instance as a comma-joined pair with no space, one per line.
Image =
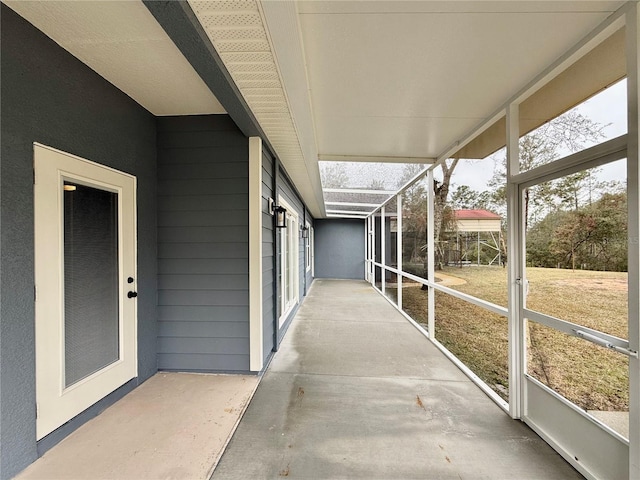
204,250
204,218
191,362
203,234
206,170
203,297
199,345
204,313
198,123
201,139
268,252
202,266
202,186
209,202
203,284
203,329
167,155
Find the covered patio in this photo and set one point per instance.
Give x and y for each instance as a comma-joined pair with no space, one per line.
271,189
356,391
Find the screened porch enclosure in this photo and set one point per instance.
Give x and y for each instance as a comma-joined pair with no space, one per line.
516,254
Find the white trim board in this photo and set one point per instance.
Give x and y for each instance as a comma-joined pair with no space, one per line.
256,349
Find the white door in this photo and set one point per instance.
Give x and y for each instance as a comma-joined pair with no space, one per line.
289,255
85,273
575,319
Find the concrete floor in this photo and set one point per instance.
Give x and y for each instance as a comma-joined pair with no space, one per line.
174,426
357,392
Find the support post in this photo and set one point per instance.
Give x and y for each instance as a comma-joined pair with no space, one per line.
431,263
515,275
399,248
383,253
373,248
256,354
633,182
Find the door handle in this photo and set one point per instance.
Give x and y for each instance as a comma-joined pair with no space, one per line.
132,294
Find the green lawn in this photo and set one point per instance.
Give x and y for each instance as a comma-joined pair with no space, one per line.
592,377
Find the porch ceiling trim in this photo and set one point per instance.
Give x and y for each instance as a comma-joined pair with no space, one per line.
237,31
375,159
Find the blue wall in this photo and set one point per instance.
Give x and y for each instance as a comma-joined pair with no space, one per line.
50,97
269,317
203,251
340,248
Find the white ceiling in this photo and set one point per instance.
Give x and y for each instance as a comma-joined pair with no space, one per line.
124,44
349,79
410,79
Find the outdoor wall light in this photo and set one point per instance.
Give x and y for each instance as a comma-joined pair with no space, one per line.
279,212
281,216
305,232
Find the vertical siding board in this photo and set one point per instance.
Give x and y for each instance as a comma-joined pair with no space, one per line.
203,174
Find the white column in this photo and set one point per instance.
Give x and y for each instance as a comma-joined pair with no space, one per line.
366,250
383,253
515,262
399,248
373,248
633,181
431,262
255,255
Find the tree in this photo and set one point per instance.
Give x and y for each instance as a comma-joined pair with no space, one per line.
376,184
568,133
466,198
593,236
441,191
414,206
333,175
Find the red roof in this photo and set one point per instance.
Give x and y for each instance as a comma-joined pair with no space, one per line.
476,215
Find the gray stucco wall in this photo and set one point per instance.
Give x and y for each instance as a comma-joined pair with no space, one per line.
203,250
50,97
339,248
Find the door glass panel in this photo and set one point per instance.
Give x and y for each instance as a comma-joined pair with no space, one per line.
91,280
576,266
282,255
594,378
576,248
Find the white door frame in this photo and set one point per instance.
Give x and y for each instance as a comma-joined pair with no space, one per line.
57,403
593,448
292,255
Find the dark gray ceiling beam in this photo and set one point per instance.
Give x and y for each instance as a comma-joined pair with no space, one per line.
181,25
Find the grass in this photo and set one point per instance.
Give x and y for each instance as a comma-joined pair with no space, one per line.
592,377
